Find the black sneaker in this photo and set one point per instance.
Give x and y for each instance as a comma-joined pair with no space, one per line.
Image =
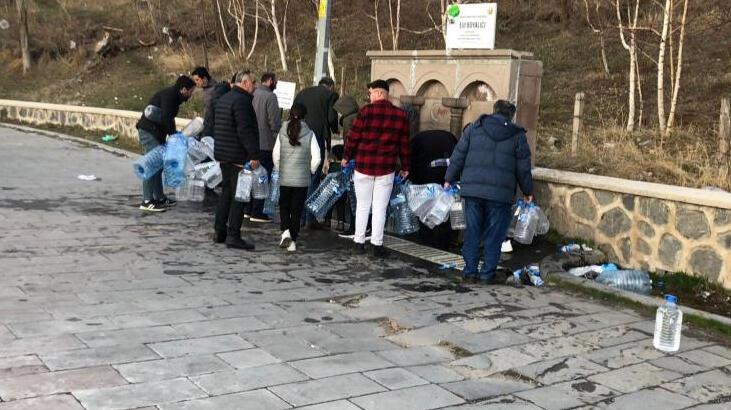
167,203
379,251
238,243
359,249
152,206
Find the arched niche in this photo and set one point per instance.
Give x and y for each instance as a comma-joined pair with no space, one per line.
434,115
395,90
481,97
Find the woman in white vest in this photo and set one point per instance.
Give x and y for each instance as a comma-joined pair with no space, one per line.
296,156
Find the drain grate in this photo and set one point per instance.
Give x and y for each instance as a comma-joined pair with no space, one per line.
426,253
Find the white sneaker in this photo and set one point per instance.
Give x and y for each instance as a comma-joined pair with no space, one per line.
506,247
292,247
286,239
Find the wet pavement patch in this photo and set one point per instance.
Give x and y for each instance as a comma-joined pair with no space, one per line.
424,286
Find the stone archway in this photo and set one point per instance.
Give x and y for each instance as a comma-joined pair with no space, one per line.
481,97
434,115
395,90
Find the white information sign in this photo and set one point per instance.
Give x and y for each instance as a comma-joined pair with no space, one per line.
285,94
471,26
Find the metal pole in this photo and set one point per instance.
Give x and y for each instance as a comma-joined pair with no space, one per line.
323,40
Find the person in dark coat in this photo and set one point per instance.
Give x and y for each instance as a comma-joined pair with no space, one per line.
493,158
155,124
237,142
319,101
348,108
430,152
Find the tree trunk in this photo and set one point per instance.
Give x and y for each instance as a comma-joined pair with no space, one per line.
278,36
604,53
23,19
223,28
661,67
676,87
378,26
205,34
395,28
632,82
639,93
256,32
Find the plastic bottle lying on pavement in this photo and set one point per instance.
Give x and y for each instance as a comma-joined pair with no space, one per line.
630,280
574,247
584,271
528,275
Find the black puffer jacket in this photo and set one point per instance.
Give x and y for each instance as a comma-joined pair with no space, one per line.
168,100
219,90
235,128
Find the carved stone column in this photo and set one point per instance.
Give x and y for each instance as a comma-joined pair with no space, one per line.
415,101
456,109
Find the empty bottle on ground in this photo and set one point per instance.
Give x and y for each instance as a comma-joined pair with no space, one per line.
668,323
630,280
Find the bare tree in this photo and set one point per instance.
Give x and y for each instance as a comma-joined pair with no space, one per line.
22,7
661,66
678,70
269,11
374,17
631,47
237,10
223,28
598,29
395,28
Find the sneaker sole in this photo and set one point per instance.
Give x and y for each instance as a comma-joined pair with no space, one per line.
284,244
158,210
260,220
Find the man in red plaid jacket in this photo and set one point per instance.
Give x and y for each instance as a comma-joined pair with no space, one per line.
378,138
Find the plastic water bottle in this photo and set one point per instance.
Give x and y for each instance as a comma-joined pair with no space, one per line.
212,175
197,151
668,323
260,183
190,190
515,212
326,195
149,164
243,186
439,210
208,143
176,155
456,216
526,226
543,224
270,205
419,198
194,127
630,280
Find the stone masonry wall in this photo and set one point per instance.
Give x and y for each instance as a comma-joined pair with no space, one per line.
643,232
117,122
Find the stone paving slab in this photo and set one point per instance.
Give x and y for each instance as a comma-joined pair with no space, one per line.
103,306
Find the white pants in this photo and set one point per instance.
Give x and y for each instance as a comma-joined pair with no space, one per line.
369,191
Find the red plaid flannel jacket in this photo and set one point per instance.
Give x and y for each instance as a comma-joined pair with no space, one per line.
378,137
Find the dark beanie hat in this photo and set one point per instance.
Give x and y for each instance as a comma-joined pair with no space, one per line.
378,84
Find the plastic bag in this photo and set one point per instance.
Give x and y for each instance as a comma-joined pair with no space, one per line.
419,198
439,208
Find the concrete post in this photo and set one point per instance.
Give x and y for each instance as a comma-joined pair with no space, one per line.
578,114
456,109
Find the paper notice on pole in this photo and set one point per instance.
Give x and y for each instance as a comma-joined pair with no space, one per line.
285,94
471,26
323,9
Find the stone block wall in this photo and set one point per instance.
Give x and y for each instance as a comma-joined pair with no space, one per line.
117,122
638,229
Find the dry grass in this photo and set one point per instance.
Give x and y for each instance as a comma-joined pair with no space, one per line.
687,158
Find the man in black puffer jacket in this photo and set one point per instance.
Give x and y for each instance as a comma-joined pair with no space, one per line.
237,142
156,123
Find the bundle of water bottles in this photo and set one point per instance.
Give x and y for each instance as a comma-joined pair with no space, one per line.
528,221
434,205
252,184
401,219
330,190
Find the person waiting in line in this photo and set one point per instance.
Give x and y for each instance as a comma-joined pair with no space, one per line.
493,158
156,123
269,118
378,139
430,152
237,142
212,91
296,155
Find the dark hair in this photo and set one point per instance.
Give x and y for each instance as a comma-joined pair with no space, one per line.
268,76
326,81
338,151
296,116
504,108
201,72
184,82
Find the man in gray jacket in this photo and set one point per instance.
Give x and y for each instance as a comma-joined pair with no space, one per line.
269,118
492,157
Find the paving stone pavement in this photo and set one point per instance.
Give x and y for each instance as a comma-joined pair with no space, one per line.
104,307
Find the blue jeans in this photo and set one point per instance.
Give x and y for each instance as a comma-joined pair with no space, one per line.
487,222
255,208
151,188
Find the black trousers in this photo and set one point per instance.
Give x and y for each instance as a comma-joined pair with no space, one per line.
230,213
291,207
